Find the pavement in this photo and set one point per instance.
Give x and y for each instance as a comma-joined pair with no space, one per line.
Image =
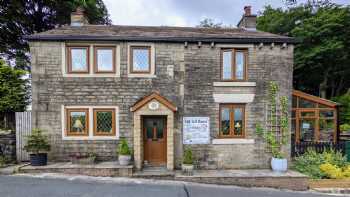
59,185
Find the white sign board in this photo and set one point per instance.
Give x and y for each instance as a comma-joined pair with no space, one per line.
196,130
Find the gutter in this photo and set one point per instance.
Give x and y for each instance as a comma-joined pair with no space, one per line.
158,39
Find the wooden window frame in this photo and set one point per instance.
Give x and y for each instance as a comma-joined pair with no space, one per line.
68,129
96,133
232,107
69,59
96,48
132,71
233,64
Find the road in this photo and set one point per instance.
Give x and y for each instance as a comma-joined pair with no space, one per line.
82,186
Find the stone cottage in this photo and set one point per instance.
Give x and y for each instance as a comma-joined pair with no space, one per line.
162,88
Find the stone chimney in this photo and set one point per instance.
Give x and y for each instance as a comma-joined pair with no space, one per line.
248,20
77,18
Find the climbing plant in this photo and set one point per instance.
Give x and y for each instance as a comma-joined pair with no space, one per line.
275,132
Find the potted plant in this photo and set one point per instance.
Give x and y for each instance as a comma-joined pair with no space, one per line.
276,132
187,162
37,144
124,152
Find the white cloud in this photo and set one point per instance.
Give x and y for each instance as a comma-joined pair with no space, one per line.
144,12
184,12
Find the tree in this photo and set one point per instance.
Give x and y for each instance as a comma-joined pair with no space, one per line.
322,56
209,23
13,89
25,17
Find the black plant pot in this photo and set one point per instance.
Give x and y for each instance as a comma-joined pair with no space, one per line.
38,159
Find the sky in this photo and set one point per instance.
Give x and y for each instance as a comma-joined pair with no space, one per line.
184,12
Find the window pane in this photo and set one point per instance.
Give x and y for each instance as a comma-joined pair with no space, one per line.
240,65
306,104
326,130
140,59
225,121
104,121
307,130
295,102
77,122
326,114
307,114
226,65
238,124
105,59
79,59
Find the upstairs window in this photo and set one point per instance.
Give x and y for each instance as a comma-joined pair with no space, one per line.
233,64
78,59
105,61
140,58
232,121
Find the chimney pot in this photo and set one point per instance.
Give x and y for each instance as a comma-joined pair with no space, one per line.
247,10
248,20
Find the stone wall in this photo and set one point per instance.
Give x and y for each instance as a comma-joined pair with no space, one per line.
189,86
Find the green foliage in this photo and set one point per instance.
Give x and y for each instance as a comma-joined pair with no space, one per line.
310,162
188,156
344,112
123,147
21,17
345,127
275,137
323,54
37,142
4,160
209,23
13,89
332,171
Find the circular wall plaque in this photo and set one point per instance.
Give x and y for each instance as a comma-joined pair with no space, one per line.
153,105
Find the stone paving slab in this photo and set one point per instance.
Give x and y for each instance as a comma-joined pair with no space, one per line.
242,173
69,165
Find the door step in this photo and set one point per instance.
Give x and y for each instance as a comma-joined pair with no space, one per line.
155,173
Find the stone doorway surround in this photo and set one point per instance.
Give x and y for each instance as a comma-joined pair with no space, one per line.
153,104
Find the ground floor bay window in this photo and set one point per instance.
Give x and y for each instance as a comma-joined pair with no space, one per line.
87,122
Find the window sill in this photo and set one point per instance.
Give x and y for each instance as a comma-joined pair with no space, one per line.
135,75
233,141
90,138
91,75
234,84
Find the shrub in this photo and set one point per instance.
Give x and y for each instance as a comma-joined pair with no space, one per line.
123,147
37,142
345,127
309,163
188,156
4,160
332,171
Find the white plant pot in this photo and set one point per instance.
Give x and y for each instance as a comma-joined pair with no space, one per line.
187,169
279,165
124,160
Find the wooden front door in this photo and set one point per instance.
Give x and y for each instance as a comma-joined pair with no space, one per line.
154,132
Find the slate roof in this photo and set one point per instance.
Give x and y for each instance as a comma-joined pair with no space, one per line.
158,33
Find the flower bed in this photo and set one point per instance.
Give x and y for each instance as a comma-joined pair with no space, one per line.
328,164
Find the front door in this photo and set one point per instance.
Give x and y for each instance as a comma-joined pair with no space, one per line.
154,130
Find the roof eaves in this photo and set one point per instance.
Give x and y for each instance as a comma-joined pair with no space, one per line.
159,39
